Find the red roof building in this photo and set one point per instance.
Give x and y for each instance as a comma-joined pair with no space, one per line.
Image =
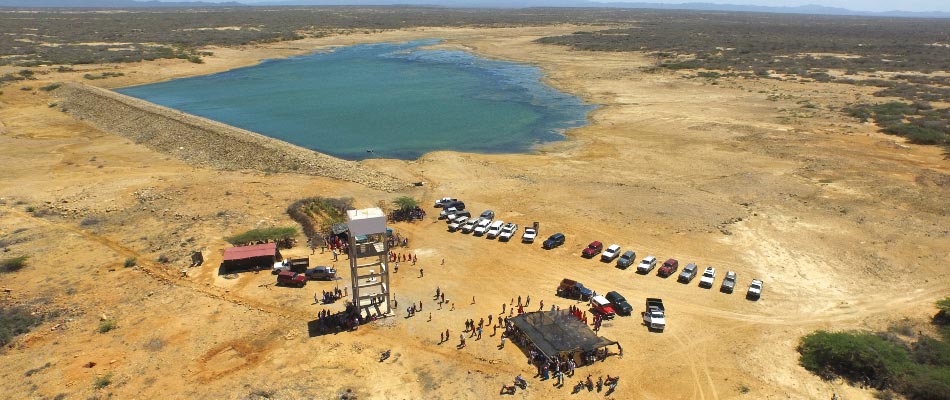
248,257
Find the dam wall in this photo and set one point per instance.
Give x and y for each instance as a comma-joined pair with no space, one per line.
204,142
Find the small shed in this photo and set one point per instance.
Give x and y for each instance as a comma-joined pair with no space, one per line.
249,257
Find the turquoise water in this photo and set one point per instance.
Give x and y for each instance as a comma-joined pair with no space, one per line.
398,100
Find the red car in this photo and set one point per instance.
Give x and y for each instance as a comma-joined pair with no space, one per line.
290,278
669,267
593,249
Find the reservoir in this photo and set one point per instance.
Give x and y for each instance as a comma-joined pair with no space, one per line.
389,100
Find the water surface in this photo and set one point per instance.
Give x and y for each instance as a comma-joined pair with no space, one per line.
395,99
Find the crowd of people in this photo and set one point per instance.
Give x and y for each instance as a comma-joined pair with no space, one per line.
329,296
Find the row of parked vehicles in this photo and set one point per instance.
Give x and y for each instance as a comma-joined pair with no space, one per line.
460,219
669,268
613,303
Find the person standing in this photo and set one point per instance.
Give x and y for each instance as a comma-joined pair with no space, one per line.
502,342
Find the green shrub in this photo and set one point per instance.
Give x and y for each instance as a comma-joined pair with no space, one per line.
129,262
51,86
102,381
16,321
917,134
919,373
854,355
262,234
107,325
12,264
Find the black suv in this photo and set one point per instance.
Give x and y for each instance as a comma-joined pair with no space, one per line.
555,240
620,304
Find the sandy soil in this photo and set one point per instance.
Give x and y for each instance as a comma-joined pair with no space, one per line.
847,227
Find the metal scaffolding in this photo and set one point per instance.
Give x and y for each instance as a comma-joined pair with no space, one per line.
369,262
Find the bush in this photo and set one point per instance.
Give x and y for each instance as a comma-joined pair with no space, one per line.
107,325
129,262
919,373
12,264
51,86
102,381
16,321
263,234
854,355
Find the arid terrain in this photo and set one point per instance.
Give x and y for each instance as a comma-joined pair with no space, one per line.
849,229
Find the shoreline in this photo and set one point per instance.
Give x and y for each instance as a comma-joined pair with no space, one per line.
553,112
259,54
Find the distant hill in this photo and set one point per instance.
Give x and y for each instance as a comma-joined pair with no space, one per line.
109,4
807,9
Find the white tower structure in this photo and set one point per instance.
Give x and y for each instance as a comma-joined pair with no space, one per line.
369,261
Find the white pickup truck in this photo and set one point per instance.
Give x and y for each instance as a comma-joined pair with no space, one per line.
529,235
655,315
755,290
709,276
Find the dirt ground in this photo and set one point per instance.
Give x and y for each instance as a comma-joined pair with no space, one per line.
847,227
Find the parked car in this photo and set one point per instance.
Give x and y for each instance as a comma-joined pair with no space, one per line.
688,273
553,241
321,273
529,235
602,306
627,259
289,278
446,211
573,290
755,290
646,265
611,253
728,283
620,304
488,214
469,225
494,229
481,226
655,315
669,267
443,201
592,249
456,214
458,223
507,232
709,276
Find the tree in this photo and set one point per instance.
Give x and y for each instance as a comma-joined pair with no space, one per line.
406,203
943,316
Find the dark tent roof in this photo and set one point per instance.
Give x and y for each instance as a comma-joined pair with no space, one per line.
558,331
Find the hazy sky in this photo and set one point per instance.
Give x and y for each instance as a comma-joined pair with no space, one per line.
857,5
